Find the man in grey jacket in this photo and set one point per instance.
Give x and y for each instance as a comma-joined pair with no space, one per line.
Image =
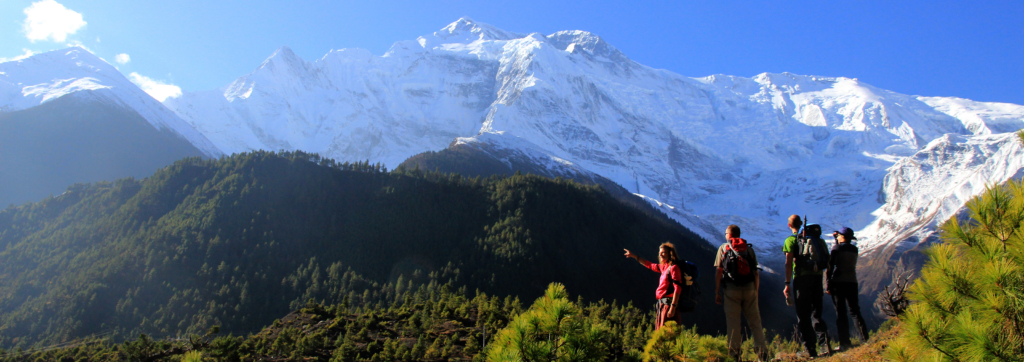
841,277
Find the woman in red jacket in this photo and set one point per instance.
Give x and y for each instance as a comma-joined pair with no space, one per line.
667,294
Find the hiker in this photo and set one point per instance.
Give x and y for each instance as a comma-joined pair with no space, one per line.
804,278
668,294
736,274
841,277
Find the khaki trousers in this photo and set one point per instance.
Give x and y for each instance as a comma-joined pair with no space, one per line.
737,301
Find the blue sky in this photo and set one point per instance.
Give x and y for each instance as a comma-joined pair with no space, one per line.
972,50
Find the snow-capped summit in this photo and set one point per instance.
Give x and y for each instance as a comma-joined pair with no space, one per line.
40,78
285,60
578,40
69,117
45,77
719,149
465,30
277,72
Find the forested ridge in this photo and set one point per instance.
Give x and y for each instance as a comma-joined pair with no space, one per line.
243,240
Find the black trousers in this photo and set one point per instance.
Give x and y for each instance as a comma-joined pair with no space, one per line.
810,296
844,294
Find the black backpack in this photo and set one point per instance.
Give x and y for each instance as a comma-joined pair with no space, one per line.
690,288
737,268
812,252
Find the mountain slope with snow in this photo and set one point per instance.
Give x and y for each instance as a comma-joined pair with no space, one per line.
68,117
718,150
45,77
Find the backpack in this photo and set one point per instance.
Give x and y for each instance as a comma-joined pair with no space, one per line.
690,287
737,268
812,252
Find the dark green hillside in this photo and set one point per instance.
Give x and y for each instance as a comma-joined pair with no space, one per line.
482,160
465,160
239,241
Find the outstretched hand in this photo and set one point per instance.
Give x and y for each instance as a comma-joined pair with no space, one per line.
629,254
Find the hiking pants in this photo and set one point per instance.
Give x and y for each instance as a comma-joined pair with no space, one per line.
809,303
843,294
662,306
742,300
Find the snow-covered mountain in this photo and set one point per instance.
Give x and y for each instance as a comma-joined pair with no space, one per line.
68,117
48,76
711,151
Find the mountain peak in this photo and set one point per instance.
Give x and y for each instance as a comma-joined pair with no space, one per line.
284,59
576,40
469,30
77,72
67,58
46,76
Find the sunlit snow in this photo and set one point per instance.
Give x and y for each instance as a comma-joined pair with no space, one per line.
709,151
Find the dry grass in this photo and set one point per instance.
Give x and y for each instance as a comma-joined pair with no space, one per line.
873,350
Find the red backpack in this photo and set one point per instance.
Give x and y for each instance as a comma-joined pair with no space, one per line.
737,269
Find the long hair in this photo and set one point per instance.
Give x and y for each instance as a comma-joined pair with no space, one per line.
672,256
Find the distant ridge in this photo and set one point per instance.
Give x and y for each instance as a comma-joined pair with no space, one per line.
68,117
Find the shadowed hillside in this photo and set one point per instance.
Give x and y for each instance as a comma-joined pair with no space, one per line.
239,241
79,138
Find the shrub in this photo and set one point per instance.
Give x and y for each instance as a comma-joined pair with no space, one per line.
674,343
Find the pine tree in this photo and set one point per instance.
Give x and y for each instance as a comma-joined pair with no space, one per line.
553,329
968,304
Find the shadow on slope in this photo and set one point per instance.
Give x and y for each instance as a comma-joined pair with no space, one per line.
79,138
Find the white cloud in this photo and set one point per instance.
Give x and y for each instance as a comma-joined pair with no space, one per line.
155,88
27,53
47,19
122,58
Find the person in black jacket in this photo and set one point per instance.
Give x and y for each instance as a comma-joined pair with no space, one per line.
842,286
